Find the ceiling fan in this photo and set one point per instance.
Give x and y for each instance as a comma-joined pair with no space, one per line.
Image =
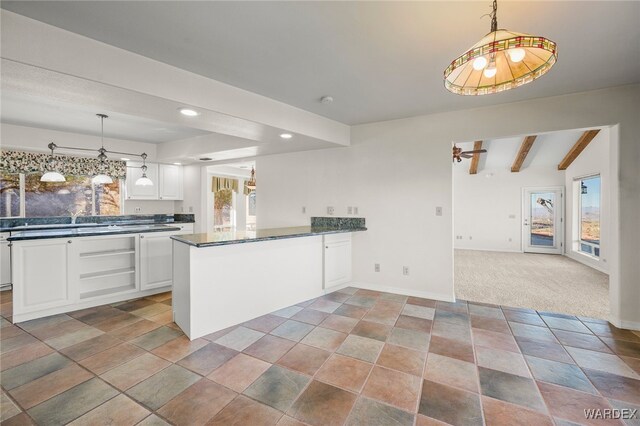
459,154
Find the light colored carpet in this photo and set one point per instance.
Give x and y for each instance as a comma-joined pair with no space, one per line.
542,282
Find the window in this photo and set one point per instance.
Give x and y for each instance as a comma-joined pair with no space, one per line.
10,195
251,211
223,212
77,195
589,216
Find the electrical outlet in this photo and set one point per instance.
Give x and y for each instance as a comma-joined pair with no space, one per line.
470,237
510,239
190,209
304,209
438,211
349,210
376,267
512,216
355,210
330,210
405,270
137,210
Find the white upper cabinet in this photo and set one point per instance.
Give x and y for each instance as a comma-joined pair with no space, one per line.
138,192
167,182
170,182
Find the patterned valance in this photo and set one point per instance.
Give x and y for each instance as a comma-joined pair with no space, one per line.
68,165
219,183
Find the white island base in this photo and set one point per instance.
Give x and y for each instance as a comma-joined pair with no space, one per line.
216,287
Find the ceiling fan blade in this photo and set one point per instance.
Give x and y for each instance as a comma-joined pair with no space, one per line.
463,155
477,151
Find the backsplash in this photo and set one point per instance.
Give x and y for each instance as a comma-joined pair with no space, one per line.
62,220
340,222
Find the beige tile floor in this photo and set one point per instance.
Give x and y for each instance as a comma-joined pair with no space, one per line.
355,357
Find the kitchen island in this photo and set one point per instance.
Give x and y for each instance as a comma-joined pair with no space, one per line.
226,278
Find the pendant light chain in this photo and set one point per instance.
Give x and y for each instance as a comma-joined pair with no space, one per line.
494,16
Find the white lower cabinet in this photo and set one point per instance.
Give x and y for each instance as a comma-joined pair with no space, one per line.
5,260
41,272
52,276
337,259
156,257
156,260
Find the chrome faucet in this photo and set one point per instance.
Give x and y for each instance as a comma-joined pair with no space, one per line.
74,216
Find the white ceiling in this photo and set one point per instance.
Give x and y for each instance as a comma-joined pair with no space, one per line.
547,151
379,60
24,110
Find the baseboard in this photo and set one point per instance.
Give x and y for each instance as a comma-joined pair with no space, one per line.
486,249
580,259
403,291
627,325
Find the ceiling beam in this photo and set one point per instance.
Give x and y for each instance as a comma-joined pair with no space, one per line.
577,148
526,145
473,168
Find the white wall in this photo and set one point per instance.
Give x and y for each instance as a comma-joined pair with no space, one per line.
194,195
593,160
398,171
487,210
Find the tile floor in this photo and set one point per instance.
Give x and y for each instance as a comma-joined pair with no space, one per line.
354,357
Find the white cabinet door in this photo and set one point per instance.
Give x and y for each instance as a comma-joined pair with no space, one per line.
41,275
337,260
5,260
135,192
156,260
170,177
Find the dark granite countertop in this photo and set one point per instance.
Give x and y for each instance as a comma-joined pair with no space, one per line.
65,222
238,237
84,231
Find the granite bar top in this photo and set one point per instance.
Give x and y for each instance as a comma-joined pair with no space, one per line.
88,231
65,222
239,237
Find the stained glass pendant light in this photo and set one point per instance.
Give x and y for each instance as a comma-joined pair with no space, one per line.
502,60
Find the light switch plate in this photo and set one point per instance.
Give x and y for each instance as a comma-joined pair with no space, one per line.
355,210
304,209
138,210
330,210
438,211
349,210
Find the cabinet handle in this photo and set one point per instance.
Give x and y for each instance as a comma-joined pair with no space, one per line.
326,246
69,242
141,236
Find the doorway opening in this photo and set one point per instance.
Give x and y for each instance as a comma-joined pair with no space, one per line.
231,200
532,224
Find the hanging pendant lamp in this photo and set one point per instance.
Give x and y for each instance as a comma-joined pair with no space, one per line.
251,183
144,180
50,174
501,60
102,177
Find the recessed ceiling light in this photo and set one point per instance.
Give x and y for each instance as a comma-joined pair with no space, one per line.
126,159
326,99
178,164
188,112
286,135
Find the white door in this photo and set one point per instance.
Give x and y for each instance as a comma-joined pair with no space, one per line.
542,227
